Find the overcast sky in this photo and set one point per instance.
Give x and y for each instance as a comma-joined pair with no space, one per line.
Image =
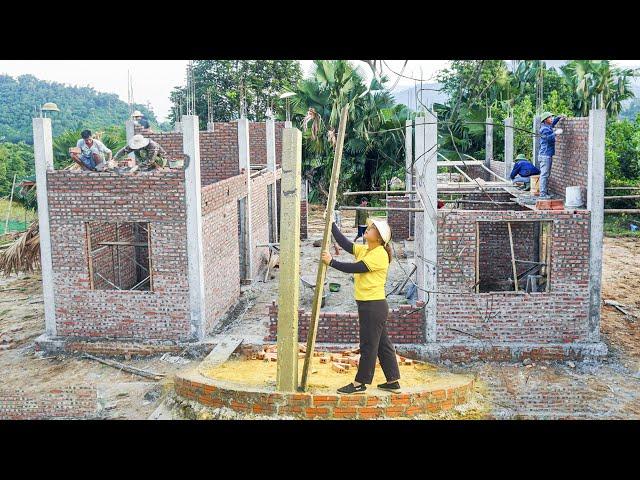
153,80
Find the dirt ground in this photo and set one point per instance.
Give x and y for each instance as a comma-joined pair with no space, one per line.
588,389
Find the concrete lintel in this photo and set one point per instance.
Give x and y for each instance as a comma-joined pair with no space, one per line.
191,147
43,152
595,204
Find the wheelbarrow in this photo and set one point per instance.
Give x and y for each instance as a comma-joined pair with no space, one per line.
311,285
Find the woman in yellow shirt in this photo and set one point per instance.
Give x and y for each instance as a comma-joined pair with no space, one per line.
370,275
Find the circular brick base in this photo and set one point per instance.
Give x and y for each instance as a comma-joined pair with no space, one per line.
267,402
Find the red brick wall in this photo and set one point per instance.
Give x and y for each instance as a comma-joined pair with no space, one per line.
398,220
218,150
154,197
571,161
220,244
498,168
303,219
405,325
258,143
559,316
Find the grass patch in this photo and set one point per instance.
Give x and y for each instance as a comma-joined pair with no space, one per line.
620,225
19,217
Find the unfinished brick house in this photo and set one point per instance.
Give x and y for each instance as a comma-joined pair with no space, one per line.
469,252
144,262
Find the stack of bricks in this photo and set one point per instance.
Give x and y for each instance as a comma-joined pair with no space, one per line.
558,316
405,325
571,160
76,198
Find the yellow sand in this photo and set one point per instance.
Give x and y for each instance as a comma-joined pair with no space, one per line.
258,373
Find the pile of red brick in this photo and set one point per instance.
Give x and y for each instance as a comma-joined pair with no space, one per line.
341,362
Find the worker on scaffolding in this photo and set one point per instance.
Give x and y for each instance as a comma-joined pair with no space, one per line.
522,170
149,154
547,149
361,220
90,153
370,275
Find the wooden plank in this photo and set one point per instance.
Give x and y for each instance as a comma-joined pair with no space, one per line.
406,209
379,192
513,258
221,352
322,268
126,368
288,290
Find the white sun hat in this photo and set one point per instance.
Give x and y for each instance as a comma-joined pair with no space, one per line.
384,229
137,113
137,142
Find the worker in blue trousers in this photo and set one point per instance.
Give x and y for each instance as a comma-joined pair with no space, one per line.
547,149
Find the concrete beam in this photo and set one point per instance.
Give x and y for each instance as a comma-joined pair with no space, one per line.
177,127
191,147
210,126
426,169
288,124
244,162
488,141
271,166
508,146
595,204
43,152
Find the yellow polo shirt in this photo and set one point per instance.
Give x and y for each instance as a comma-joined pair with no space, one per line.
370,285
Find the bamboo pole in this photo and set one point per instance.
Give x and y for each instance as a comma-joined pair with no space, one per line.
622,210
322,268
6,223
492,172
622,188
383,209
513,258
464,174
622,197
379,192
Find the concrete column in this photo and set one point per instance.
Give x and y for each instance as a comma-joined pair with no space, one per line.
536,140
595,204
244,161
177,127
130,131
271,166
43,152
488,157
288,290
426,169
191,147
508,146
408,154
288,124
210,126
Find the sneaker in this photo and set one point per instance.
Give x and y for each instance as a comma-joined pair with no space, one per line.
351,389
393,387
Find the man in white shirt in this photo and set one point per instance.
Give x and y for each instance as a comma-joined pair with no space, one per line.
92,152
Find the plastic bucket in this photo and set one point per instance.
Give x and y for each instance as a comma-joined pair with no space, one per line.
535,184
573,197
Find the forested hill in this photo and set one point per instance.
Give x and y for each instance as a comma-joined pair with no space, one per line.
80,107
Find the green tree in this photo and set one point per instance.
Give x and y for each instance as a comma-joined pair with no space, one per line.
223,81
15,158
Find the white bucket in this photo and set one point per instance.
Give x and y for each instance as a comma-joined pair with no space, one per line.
573,198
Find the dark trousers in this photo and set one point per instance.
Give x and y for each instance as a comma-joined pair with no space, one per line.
374,342
361,230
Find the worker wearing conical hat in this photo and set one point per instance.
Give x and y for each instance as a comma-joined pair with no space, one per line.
370,275
149,154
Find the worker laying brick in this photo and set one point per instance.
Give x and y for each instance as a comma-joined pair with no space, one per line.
90,153
149,154
522,170
370,275
547,149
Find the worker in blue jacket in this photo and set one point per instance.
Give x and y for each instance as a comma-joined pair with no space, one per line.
522,170
547,149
